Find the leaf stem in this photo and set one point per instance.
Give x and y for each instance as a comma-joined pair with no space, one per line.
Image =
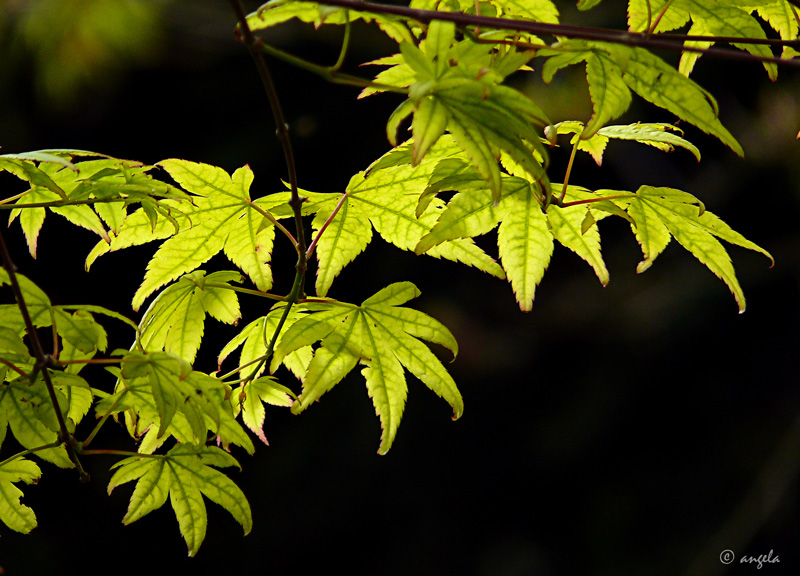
14,368
593,200
275,221
345,45
246,291
105,452
291,299
651,28
327,72
43,361
330,218
102,421
569,170
29,451
282,128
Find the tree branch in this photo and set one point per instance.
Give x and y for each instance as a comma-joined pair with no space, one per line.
43,361
579,32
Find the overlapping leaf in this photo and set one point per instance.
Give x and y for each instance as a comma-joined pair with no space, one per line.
385,197
92,194
175,320
662,136
184,474
648,76
223,218
254,341
251,397
526,233
162,396
27,410
381,336
483,116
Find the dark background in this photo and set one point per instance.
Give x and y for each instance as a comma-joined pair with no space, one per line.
641,428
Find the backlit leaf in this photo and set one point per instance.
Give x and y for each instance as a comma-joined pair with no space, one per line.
185,474
375,336
14,514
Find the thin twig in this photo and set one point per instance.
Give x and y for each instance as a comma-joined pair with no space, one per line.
15,368
282,128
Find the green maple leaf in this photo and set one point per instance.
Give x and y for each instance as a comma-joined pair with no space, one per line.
385,197
643,13
162,396
13,514
67,188
524,239
720,19
782,17
658,135
175,320
26,408
663,213
648,76
185,474
223,218
567,226
381,336
466,100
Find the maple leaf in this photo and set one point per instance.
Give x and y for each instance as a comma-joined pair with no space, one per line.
223,218
14,514
663,213
253,340
385,197
464,99
185,475
175,320
647,75
162,396
381,336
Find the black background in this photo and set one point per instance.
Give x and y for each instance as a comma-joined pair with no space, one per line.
641,428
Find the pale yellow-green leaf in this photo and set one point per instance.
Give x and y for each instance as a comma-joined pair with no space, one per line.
669,15
374,336
566,224
609,93
13,513
525,243
722,19
346,236
656,81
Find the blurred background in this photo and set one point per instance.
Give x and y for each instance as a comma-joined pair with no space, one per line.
641,428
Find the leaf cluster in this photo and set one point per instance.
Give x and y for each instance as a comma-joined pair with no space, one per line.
476,162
